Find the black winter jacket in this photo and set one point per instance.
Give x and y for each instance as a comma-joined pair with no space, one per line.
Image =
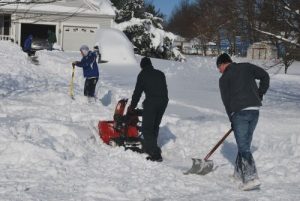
153,83
239,89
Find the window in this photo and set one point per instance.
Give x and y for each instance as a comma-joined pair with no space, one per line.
5,24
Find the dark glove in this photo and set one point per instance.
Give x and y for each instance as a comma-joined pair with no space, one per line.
74,63
130,110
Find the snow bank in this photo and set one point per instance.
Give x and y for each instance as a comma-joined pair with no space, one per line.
115,47
50,149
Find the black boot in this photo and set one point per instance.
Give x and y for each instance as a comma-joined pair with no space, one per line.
156,158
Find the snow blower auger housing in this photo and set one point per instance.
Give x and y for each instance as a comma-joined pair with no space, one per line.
124,130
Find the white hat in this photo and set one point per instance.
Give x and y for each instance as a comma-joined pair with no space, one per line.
84,49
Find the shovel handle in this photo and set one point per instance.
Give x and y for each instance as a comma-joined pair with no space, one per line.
217,145
72,82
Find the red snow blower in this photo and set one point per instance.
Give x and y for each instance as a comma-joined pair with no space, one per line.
124,130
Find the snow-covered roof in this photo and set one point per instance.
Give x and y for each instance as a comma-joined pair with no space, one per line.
80,7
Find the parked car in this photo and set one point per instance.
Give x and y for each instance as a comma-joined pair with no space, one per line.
40,44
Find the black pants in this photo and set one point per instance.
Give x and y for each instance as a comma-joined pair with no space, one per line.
152,114
30,52
89,86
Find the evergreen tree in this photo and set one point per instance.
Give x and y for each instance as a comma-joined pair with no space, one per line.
150,8
140,34
118,3
129,9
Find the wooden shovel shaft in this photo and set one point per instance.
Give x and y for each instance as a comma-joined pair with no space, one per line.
217,145
72,82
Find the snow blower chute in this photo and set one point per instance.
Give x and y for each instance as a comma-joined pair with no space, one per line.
124,130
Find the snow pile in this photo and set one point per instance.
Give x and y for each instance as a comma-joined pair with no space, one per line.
115,47
50,149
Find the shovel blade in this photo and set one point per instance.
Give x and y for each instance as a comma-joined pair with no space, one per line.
201,167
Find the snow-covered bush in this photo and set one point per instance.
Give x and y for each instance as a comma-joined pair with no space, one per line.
130,9
140,38
145,30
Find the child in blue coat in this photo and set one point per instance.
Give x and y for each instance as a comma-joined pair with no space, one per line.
27,46
90,70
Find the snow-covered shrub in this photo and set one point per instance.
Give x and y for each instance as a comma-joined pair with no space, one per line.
144,30
140,38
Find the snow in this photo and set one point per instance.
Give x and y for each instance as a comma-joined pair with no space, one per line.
50,149
115,47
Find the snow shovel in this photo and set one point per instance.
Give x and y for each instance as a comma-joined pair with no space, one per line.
205,166
72,83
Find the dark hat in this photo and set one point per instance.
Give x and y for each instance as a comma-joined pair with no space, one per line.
145,62
223,59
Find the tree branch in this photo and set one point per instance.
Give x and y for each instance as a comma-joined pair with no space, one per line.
278,37
287,7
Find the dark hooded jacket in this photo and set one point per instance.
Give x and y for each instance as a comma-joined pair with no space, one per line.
153,83
239,89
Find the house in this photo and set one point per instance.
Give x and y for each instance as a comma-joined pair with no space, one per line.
262,50
194,47
74,22
187,46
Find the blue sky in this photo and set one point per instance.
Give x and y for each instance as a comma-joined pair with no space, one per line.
165,6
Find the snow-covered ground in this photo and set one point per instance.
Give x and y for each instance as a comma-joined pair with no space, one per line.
48,149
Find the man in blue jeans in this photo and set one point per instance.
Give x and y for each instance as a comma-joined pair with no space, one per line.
242,99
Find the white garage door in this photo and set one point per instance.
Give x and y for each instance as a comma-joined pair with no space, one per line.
74,37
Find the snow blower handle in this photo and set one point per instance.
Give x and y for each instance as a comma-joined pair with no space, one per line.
217,145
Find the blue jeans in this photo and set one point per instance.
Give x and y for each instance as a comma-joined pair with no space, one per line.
244,123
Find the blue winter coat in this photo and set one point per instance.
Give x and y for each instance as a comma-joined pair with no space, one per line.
89,65
27,43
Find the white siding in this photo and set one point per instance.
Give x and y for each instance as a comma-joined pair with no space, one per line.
75,36
68,40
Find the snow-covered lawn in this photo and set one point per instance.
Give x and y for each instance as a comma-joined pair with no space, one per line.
48,149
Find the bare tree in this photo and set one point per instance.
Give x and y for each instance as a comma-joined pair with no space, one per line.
206,22
181,20
280,21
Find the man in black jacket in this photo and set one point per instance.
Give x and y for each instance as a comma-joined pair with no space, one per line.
242,99
153,83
